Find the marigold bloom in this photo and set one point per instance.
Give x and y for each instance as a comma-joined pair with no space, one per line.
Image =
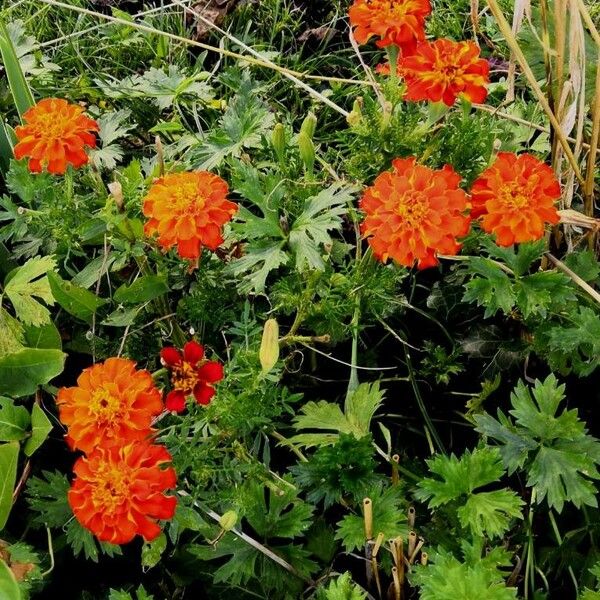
118,491
55,134
399,22
442,70
191,374
515,198
413,213
112,401
188,210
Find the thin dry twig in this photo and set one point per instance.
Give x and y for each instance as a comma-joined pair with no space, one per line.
514,46
580,282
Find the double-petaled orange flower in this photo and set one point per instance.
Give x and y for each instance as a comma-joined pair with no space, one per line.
188,210
442,70
414,213
393,22
55,135
515,198
191,374
119,491
111,402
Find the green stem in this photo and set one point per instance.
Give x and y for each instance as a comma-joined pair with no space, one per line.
559,541
392,52
428,422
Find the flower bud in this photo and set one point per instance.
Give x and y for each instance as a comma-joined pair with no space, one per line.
269,346
307,151
278,141
228,520
309,125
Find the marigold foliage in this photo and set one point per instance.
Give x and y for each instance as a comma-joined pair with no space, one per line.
119,491
55,135
413,213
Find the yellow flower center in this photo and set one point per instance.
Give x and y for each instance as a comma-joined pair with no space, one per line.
105,406
513,197
51,125
112,488
186,199
413,208
392,8
184,377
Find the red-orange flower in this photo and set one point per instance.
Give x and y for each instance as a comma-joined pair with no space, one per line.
111,402
191,374
54,135
442,70
413,213
515,198
118,491
399,22
188,210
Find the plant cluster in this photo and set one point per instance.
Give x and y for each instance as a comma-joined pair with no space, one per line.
284,315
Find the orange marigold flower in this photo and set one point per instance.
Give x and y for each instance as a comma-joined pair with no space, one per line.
515,197
112,401
442,70
399,22
414,212
188,210
118,491
54,135
191,374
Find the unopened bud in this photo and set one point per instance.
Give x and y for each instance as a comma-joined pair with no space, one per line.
278,141
269,346
228,520
309,125
116,191
355,117
307,152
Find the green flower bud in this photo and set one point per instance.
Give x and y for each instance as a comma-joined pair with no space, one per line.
307,152
228,520
269,346
309,125
278,141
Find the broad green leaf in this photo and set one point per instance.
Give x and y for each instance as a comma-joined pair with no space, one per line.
40,428
11,334
19,87
27,283
122,318
14,421
77,301
22,372
152,551
44,336
9,588
142,290
9,455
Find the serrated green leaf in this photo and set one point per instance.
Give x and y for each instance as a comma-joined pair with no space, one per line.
152,551
21,372
12,335
491,288
9,456
14,421
41,426
27,283
77,301
489,513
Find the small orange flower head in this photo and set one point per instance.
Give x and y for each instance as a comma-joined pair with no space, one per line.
188,210
442,70
191,374
118,491
111,402
55,135
515,198
414,213
399,22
